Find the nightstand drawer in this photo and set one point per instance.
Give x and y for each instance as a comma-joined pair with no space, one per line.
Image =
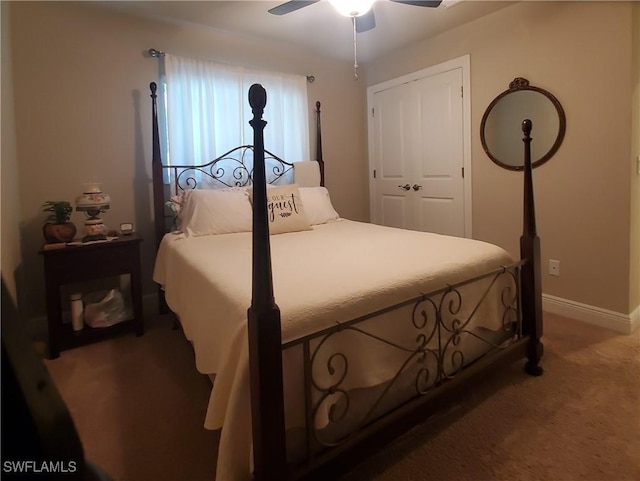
81,263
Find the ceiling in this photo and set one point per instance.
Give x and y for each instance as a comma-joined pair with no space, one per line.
318,27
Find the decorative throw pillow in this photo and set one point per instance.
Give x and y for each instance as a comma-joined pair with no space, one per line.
216,211
317,205
176,205
285,209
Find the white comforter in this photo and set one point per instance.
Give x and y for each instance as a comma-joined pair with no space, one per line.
333,273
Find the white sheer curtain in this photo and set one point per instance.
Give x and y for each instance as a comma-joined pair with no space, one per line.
208,112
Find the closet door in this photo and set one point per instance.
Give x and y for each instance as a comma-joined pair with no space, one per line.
437,171
416,147
394,115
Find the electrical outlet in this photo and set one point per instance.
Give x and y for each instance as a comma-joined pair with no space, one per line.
554,267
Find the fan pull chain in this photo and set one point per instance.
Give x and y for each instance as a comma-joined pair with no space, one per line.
355,49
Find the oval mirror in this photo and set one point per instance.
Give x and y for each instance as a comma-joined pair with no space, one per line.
500,130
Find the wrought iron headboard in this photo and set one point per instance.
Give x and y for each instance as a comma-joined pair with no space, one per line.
232,169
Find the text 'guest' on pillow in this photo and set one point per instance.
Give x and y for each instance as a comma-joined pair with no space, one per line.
285,209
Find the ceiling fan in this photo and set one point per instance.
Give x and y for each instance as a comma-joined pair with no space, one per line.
360,10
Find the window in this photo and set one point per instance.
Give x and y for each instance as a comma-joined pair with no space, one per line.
207,111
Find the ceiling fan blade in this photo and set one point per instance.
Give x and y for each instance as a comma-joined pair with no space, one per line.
291,6
418,3
365,22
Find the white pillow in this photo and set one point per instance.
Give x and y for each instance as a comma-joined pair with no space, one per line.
317,205
285,209
216,211
306,173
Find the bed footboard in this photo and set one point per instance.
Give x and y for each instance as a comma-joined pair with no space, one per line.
425,342
436,386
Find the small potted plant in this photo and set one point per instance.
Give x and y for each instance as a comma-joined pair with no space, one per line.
58,227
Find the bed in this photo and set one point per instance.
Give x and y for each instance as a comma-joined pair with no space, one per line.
357,348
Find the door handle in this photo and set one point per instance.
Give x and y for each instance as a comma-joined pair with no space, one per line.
405,186
417,187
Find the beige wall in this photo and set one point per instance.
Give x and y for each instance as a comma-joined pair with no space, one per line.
10,199
634,258
581,52
83,112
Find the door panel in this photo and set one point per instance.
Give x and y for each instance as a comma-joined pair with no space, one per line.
393,153
439,170
390,136
437,211
394,211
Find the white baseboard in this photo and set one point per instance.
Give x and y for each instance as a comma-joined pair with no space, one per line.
622,323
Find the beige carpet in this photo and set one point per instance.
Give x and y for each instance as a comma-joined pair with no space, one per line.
139,405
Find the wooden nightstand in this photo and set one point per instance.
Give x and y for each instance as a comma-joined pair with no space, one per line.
76,264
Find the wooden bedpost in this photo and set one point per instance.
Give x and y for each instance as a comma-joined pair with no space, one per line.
530,251
319,158
265,340
156,168
158,186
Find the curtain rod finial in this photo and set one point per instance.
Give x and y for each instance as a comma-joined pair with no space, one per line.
155,53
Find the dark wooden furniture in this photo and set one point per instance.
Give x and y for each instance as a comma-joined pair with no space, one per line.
73,264
328,461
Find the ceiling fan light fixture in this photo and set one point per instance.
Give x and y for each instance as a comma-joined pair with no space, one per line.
352,8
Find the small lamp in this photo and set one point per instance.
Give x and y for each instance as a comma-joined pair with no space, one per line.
93,202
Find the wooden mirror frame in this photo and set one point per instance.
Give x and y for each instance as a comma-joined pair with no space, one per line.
517,85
